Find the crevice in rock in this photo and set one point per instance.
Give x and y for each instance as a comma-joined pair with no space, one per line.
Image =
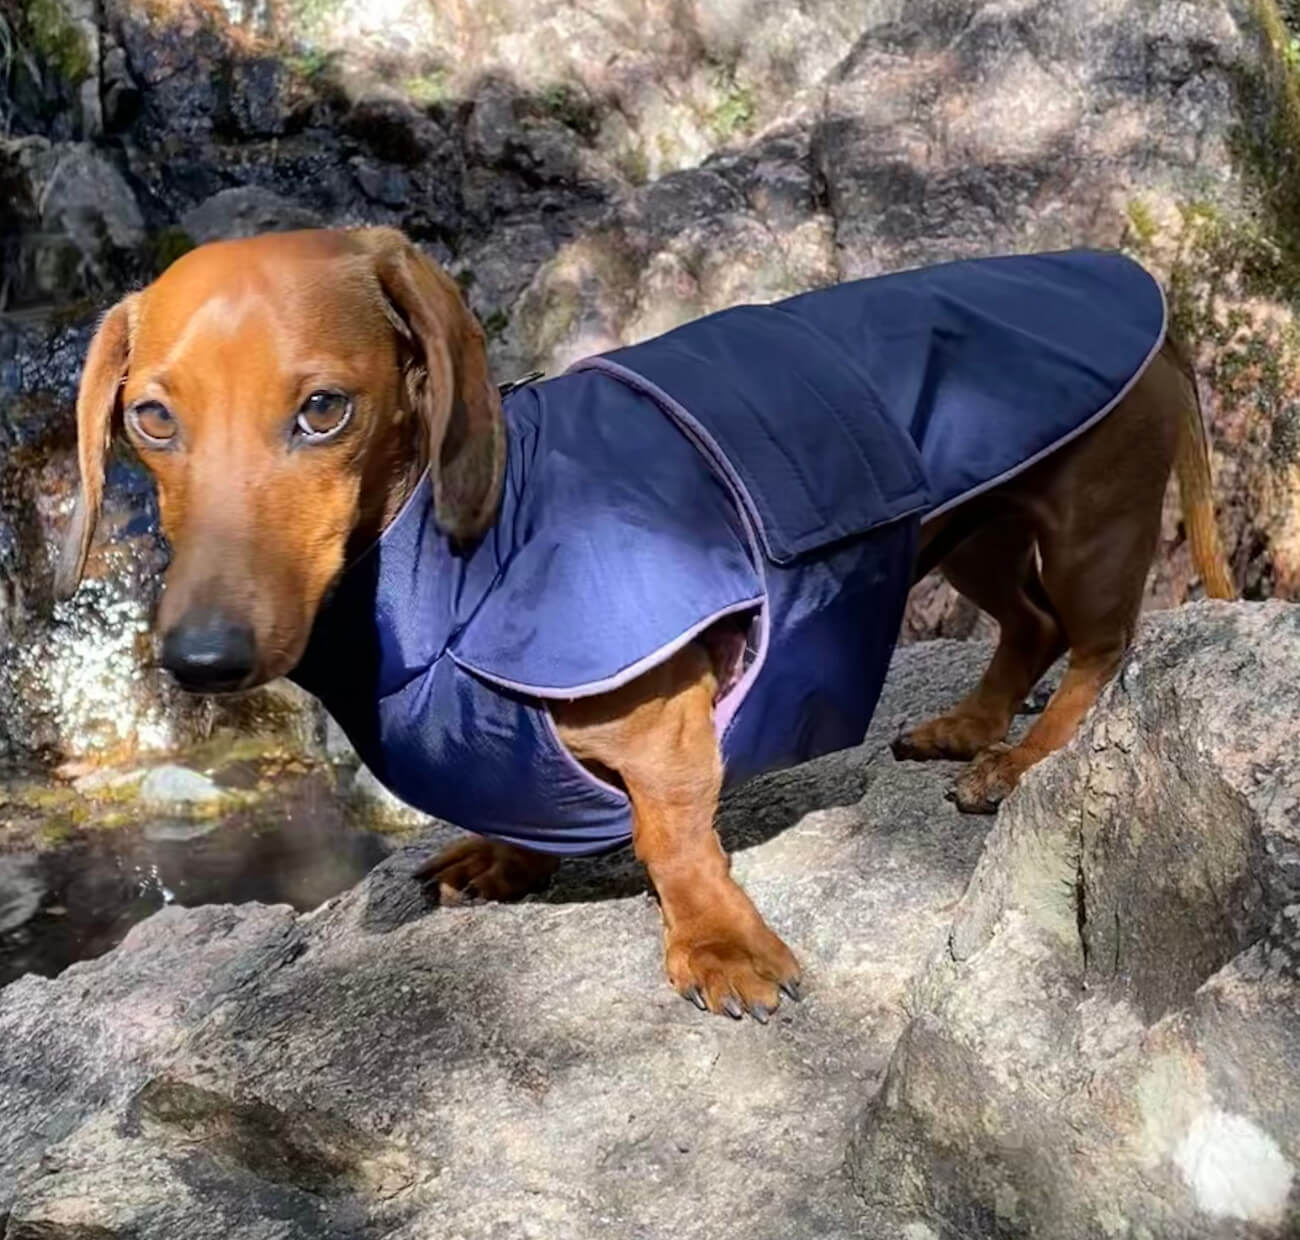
1081,909
45,1230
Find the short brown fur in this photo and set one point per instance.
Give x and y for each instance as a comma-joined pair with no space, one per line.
234,334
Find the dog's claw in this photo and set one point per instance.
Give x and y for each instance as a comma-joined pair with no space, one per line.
759,1012
693,994
732,1007
791,988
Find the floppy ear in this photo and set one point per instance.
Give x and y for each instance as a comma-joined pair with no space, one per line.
101,383
450,384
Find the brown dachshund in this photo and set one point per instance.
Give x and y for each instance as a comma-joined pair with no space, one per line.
288,392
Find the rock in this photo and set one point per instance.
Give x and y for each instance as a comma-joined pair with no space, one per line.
86,198
380,1065
177,785
1099,1037
162,831
97,781
370,795
51,57
21,890
79,230
243,212
1110,1043
121,95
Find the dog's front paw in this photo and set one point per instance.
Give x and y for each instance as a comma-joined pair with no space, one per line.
989,780
731,971
485,870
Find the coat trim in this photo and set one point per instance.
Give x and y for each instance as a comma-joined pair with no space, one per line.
725,710
620,678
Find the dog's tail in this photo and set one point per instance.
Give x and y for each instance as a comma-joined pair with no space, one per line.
1195,487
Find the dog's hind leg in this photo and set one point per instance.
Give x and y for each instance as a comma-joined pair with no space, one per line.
1097,508
996,568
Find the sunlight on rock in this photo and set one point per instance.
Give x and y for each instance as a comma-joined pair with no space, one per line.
1235,1168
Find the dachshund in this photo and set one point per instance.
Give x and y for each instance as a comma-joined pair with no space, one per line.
291,393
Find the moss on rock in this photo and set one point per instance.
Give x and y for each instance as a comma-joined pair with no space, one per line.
735,109
1267,146
55,37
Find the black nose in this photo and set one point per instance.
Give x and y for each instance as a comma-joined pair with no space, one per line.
209,653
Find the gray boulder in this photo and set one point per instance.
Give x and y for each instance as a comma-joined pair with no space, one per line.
1109,1042
1099,1037
380,1067
21,889
86,198
243,212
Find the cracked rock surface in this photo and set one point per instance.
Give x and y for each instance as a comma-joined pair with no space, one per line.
1086,1024
1109,1041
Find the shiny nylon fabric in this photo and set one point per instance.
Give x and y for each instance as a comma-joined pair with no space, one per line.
841,408
614,536
779,456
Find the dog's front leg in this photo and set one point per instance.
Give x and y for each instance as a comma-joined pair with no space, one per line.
657,735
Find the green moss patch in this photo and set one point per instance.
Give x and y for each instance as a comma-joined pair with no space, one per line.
54,36
1267,150
735,109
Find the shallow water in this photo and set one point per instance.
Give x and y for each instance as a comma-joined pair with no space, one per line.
78,897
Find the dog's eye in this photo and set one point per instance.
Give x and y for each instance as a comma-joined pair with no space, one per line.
323,414
152,422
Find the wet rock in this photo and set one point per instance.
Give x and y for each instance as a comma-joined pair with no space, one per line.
1110,1042
102,859
21,890
177,785
166,830
366,792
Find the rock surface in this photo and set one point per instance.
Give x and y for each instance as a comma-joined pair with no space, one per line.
1100,1037
381,1067
1109,1043
594,174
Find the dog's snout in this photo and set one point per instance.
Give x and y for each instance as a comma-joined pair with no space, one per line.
209,653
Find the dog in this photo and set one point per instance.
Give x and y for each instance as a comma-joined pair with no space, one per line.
566,618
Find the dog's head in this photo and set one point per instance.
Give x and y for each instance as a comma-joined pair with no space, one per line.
284,391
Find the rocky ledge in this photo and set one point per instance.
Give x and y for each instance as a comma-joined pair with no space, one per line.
1100,1037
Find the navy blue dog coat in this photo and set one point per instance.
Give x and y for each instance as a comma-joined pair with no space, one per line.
767,463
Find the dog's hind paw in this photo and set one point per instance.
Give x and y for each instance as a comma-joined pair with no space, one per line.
990,779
